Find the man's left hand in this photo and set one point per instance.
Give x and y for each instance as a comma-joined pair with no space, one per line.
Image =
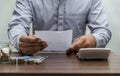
85,41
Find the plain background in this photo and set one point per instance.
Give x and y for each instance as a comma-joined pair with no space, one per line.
112,8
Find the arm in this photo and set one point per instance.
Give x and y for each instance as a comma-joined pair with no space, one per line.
97,23
18,30
19,24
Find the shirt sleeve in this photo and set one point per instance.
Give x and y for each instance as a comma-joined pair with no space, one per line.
98,24
20,21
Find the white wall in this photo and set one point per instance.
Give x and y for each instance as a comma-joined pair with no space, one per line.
112,8
6,8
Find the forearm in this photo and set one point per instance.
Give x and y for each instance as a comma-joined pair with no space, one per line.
102,37
19,23
14,34
98,24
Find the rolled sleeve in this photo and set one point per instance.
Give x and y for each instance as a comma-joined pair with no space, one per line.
98,24
19,23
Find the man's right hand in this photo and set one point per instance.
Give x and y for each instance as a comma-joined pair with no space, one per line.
31,44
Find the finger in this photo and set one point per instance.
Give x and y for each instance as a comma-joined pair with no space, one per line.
75,40
26,44
86,45
38,39
80,43
28,39
31,50
77,45
29,53
34,47
44,43
27,50
69,51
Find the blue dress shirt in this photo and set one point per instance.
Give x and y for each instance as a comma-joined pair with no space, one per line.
60,15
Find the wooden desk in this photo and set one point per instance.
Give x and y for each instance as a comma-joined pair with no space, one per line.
58,64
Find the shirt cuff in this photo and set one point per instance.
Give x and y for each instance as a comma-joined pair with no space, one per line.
100,41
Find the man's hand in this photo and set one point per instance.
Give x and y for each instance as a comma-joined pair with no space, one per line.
31,44
86,41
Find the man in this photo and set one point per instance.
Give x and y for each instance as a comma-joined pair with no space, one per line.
58,15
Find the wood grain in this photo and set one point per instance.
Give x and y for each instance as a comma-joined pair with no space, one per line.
58,64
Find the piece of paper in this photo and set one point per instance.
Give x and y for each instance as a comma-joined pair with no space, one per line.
56,40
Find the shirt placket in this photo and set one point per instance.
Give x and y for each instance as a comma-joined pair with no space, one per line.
61,13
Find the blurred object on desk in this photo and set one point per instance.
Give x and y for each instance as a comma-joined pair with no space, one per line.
5,52
94,53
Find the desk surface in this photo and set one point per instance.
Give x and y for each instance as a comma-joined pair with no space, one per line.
59,64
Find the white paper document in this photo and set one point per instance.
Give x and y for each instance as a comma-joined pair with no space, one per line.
56,40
